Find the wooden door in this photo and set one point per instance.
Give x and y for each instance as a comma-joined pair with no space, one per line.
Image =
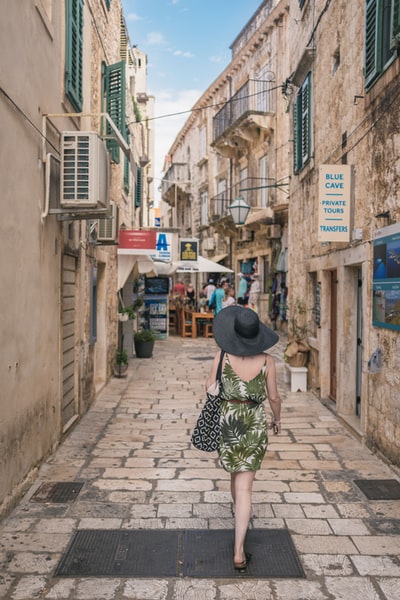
333,337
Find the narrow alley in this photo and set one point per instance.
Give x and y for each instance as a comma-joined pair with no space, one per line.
135,470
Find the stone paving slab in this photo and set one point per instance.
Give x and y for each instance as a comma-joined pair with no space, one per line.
132,452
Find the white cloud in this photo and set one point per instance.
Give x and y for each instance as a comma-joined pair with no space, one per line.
155,38
184,54
133,17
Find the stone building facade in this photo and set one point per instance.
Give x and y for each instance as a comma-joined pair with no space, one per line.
235,145
64,67
344,64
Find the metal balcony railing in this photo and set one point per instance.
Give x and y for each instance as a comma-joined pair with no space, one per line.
219,204
254,96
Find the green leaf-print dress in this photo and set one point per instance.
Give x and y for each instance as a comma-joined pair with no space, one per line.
244,433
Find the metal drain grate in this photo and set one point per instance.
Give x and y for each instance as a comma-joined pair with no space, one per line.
379,489
59,492
104,553
209,554
171,553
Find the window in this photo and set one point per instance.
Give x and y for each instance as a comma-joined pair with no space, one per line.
114,92
382,36
263,179
203,142
302,125
138,188
220,204
74,52
204,208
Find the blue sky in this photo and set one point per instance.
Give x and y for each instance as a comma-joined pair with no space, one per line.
187,45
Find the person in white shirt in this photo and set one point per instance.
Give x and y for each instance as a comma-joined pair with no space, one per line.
229,298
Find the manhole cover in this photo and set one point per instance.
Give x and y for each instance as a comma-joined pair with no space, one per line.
62,491
379,489
177,553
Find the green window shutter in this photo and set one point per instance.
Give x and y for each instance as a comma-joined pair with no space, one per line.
115,104
302,125
395,25
305,121
371,40
126,167
74,52
138,188
108,2
296,135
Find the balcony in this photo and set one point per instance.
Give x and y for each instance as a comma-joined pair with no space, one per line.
176,180
248,116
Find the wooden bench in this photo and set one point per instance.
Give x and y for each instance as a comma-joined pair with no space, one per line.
297,377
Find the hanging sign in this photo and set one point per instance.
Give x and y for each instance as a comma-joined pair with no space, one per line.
188,250
334,203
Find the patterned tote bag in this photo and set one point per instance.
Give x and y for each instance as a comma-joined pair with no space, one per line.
207,431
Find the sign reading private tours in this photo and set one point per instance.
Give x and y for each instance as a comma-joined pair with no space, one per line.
386,278
334,203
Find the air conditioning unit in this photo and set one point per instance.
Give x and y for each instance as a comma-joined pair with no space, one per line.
107,228
273,231
84,171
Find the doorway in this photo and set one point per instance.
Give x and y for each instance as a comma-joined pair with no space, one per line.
333,337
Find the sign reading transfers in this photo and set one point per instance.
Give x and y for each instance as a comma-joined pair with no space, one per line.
334,203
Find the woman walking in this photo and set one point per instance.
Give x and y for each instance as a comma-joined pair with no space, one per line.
248,378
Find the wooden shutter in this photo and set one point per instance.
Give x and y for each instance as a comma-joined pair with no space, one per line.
115,103
74,52
138,188
305,121
297,134
371,41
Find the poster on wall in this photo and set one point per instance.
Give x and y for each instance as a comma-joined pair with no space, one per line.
386,278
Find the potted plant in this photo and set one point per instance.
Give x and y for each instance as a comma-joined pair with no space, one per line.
120,362
127,312
297,350
144,343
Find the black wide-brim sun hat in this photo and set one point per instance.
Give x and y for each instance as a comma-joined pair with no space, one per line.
238,330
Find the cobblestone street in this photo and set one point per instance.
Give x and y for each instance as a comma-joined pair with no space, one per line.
133,454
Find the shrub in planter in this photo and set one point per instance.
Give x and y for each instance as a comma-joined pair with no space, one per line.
144,343
120,364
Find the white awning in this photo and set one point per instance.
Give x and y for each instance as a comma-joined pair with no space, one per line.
131,262
219,257
203,265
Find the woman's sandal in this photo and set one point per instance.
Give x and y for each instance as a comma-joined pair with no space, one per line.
243,565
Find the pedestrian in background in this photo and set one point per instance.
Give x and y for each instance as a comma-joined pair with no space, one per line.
209,289
217,297
229,298
242,290
248,379
254,293
179,288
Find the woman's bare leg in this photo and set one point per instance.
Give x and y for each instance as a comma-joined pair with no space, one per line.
241,486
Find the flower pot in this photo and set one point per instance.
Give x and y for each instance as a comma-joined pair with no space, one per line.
120,369
144,349
299,359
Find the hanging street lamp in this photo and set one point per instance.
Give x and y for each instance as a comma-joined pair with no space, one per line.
239,210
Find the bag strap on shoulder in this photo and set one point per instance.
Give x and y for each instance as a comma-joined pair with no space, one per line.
219,370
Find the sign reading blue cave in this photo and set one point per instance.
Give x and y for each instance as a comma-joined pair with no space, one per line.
386,278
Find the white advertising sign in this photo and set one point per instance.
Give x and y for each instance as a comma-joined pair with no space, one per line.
334,203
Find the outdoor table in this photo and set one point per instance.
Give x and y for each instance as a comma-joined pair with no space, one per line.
199,316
